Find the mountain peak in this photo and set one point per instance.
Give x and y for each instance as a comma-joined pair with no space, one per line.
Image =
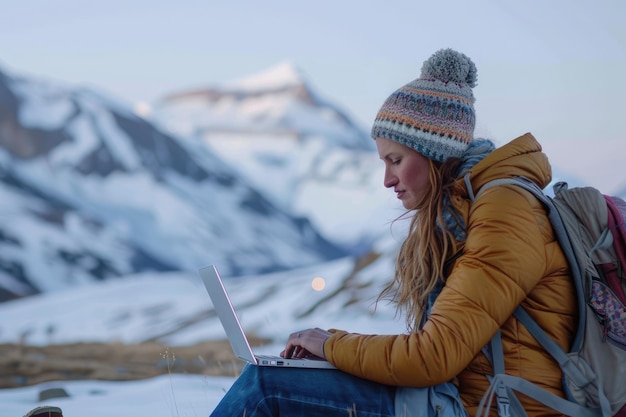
281,75
284,76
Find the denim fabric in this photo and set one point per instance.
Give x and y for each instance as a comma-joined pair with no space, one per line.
265,391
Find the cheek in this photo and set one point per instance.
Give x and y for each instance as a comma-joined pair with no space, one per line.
417,180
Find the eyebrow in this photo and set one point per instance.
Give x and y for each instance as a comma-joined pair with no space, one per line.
390,155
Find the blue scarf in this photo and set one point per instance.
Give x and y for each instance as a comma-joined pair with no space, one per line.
476,152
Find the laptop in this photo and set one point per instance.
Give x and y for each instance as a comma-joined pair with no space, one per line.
236,336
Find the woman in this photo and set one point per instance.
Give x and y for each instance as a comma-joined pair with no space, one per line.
462,270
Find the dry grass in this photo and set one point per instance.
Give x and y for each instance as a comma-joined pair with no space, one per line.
22,365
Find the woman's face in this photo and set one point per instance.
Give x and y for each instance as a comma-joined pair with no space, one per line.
406,171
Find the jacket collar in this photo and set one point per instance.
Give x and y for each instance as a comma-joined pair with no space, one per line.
522,156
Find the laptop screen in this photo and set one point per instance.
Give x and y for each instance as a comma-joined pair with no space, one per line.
226,313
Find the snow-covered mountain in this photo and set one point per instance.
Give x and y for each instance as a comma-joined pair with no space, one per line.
278,102
92,191
304,153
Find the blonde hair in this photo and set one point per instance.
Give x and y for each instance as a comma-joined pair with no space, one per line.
423,254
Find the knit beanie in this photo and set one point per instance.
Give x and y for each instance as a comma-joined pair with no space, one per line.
433,114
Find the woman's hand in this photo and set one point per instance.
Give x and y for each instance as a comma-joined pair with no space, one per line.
306,343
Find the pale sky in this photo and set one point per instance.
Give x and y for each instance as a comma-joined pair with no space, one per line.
554,68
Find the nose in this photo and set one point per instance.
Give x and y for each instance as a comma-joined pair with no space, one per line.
390,179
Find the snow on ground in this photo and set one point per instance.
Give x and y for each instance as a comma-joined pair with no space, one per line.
163,396
139,308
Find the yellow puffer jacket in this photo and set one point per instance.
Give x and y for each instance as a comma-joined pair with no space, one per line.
510,257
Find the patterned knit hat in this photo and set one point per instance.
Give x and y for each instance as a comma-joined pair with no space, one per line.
433,114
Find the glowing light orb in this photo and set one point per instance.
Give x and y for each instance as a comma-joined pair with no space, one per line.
318,283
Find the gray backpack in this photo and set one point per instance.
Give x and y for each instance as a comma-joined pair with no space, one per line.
591,231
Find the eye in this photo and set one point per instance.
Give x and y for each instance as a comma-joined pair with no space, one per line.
395,161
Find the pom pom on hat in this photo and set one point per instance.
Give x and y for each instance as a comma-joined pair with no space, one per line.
433,114
447,65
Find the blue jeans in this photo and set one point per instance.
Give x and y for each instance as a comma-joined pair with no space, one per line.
266,391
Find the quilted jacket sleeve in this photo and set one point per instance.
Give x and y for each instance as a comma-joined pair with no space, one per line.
503,259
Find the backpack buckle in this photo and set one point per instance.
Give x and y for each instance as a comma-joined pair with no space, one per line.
502,398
